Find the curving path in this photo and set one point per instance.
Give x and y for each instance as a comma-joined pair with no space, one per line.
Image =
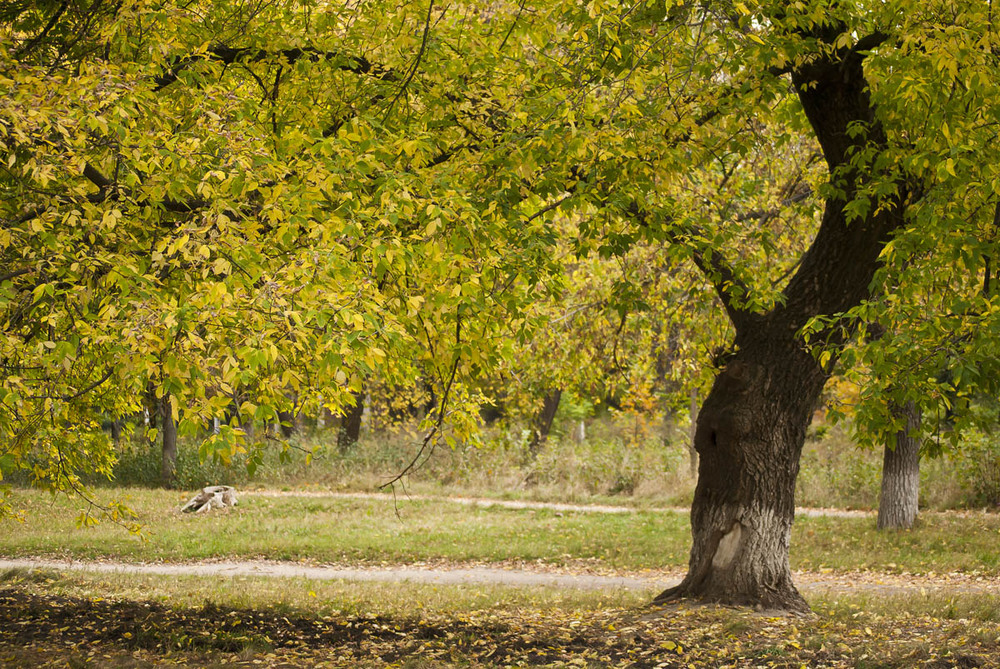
522,504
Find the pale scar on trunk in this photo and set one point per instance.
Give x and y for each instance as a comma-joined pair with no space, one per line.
729,546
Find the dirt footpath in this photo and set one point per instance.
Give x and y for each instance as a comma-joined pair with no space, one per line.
526,504
535,576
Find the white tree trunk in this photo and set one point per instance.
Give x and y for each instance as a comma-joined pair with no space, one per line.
897,509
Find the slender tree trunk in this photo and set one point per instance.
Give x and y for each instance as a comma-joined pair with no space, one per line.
116,431
168,464
350,423
289,423
150,407
542,423
324,418
749,437
897,507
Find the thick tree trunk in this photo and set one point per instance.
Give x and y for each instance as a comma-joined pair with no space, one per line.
750,433
542,423
692,433
897,508
350,423
168,464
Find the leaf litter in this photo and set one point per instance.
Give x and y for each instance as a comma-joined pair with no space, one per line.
39,629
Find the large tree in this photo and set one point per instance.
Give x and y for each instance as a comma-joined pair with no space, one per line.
856,71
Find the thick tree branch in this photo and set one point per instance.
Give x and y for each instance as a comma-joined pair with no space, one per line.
837,270
36,40
187,206
16,273
228,55
868,42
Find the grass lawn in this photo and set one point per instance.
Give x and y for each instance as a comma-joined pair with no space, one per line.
79,619
329,530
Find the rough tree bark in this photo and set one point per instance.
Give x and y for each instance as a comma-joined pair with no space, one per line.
897,508
752,424
542,423
693,415
350,423
168,463
749,437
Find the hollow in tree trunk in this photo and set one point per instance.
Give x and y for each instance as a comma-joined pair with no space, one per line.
897,508
350,423
168,464
542,423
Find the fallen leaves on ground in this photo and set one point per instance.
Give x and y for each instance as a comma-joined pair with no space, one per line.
38,629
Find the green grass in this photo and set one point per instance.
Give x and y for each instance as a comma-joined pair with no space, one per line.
337,529
409,625
940,542
375,530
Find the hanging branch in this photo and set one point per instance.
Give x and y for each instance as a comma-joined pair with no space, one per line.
416,63
429,442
